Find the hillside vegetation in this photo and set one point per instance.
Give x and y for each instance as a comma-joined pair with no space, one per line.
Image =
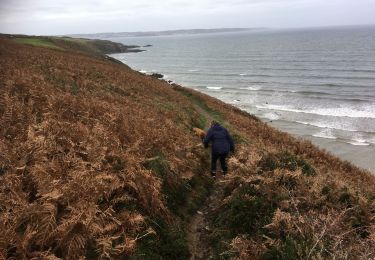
98,161
82,45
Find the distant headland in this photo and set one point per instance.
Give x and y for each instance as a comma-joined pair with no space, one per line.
162,33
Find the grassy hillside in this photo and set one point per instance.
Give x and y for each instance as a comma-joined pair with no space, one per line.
91,47
99,161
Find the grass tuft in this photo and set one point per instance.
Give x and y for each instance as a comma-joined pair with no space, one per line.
39,42
285,160
167,243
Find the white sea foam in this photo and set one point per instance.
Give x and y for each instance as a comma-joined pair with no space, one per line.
345,112
326,133
271,116
358,143
214,88
143,71
332,125
194,70
358,139
307,123
367,112
253,88
370,140
243,74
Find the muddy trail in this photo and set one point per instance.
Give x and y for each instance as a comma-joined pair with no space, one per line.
199,230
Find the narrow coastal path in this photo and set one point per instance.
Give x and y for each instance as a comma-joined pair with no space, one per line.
199,229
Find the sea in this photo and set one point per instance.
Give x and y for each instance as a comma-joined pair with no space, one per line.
316,83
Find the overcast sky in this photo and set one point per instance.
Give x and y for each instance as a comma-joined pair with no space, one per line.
48,17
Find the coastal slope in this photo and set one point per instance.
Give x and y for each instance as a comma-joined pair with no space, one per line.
82,45
100,161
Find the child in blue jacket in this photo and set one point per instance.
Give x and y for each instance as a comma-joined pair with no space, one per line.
222,144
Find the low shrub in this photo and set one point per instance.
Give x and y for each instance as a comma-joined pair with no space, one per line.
288,250
167,243
285,160
246,212
116,162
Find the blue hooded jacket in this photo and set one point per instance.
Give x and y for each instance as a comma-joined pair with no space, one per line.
222,142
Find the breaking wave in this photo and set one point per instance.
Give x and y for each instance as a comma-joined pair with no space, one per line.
271,116
327,133
368,112
214,88
253,88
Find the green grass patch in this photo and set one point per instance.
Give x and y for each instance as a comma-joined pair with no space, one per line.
74,89
189,118
183,196
40,42
201,186
202,104
202,121
220,243
238,138
246,213
62,82
117,163
285,160
168,243
57,80
74,40
159,165
117,90
199,121
289,249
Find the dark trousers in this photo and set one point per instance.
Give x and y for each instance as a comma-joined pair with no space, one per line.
223,163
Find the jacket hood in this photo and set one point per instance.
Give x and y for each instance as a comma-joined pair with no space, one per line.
217,127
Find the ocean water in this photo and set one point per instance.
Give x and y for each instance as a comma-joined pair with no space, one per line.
317,84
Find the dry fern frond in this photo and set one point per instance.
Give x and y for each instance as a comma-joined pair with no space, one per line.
281,222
